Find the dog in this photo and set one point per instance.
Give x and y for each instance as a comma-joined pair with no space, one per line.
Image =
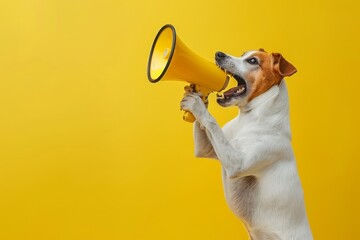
259,172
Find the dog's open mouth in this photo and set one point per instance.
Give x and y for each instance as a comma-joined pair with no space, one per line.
237,91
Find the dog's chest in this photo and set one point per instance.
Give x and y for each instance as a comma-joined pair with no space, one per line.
241,192
241,130
240,195
234,128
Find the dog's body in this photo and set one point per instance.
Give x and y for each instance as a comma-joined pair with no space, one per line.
260,178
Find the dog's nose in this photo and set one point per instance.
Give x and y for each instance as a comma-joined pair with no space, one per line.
220,55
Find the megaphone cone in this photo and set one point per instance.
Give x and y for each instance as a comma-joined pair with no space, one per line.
171,59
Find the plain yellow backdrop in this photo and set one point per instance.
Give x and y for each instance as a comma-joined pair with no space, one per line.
89,149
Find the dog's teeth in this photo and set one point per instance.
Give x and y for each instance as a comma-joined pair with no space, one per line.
220,95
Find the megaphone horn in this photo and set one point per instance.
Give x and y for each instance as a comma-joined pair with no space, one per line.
171,59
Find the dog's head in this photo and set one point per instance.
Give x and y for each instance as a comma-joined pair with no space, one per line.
255,71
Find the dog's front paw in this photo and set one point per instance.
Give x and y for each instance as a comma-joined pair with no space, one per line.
192,102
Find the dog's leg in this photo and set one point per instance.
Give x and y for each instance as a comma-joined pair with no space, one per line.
230,157
203,146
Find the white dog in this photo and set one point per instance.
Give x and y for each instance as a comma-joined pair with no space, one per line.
260,178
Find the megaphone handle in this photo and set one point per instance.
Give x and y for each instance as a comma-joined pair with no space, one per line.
188,116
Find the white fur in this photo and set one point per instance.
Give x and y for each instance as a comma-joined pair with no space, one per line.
260,178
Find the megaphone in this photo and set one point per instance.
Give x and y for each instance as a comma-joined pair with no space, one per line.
171,59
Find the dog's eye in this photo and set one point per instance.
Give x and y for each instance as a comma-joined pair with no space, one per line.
252,61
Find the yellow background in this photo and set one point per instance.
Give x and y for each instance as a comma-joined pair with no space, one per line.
89,149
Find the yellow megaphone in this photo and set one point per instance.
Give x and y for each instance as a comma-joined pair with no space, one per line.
171,59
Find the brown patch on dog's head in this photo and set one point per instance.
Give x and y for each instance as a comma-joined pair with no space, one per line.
274,67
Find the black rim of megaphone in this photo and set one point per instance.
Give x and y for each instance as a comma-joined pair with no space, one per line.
152,51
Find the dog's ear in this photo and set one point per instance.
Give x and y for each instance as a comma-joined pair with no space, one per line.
283,67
